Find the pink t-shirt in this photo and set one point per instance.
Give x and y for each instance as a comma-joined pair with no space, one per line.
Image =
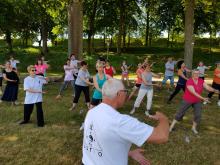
139,79
40,69
188,96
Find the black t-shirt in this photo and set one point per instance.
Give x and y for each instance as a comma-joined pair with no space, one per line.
12,76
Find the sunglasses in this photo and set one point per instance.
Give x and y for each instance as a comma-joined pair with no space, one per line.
33,70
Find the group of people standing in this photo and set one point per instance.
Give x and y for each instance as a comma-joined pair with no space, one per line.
108,135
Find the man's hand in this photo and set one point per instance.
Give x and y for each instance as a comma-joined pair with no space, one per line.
158,116
138,156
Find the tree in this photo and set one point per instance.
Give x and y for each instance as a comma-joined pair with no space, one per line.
75,28
189,28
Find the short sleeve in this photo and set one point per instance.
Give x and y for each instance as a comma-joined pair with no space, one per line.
26,84
134,131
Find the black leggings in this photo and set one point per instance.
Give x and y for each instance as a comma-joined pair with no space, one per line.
177,90
78,90
215,86
28,109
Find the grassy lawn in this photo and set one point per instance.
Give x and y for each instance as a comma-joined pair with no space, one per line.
60,141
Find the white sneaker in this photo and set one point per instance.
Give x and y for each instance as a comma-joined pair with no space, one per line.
82,127
81,111
218,103
204,103
147,113
195,131
132,111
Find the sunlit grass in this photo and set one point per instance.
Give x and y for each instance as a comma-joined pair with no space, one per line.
32,50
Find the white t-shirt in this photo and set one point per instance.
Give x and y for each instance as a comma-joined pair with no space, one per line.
108,136
14,63
202,70
74,63
68,73
35,83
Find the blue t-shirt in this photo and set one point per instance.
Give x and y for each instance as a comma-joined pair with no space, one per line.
97,94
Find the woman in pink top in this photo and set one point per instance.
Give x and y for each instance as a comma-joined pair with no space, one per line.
192,98
40,67
68,78
138,80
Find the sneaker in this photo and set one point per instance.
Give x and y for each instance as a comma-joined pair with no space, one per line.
82,127
72,108
58,97
147,113
195,131
132,111
0,101
204,103
23,122
81,111
218,103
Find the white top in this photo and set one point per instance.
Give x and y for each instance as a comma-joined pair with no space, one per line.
108,136
35,83
14,63
74,63
202,70
68,73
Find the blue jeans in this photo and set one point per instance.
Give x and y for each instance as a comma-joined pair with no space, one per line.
171,78
64,86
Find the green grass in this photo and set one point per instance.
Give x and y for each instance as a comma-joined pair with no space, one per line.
60,141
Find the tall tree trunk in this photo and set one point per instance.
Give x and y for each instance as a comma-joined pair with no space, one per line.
124,38
44,37
75,28
147,27
189,36
121,24
129,39
8,40
104,38
168,38
91,25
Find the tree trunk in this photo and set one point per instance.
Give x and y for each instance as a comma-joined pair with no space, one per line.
104,38
75,28
129,39
44,37
121,24
147,27
8,40
91,25
189,36
124,39
168,38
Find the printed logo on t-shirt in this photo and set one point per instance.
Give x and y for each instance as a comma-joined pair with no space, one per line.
91,143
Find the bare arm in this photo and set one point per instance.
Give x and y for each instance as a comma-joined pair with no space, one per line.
209,88
33,91
96,84
192,91
161,132
156,75
182,75
7,79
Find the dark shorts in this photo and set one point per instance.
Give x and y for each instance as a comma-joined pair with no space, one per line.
96,102
1,78
138,85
